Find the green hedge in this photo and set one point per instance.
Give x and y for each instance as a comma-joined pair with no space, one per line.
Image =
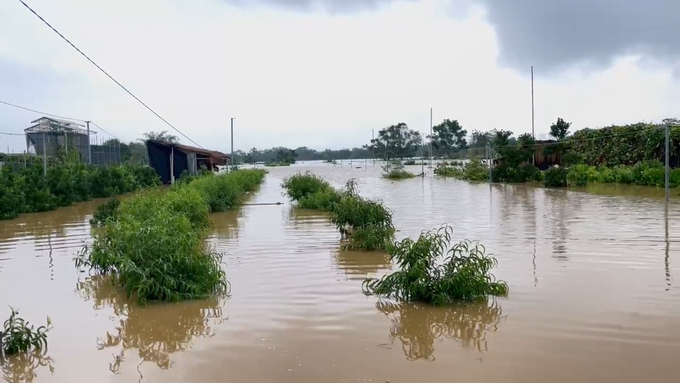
27,190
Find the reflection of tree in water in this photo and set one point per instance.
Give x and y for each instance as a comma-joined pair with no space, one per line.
157,330
22,367
359,264
417,326
561,206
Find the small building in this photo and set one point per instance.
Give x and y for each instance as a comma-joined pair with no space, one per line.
544,161
46,135
164,156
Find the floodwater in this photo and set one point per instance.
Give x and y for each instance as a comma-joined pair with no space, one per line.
592,277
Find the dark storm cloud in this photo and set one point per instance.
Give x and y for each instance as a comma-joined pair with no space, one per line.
552,34
333,6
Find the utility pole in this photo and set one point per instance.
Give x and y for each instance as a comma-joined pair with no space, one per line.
430,136
89,150
231,159
533,133
44,155
668,167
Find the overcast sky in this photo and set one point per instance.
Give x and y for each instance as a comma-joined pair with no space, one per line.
323,73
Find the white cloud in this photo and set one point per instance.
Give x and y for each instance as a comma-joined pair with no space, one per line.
294,79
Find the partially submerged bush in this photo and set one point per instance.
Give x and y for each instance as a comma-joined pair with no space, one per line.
105,211
476,170
19,336
366,223
302,185
155,248
430,274
525,172
555,177
444,170
394,170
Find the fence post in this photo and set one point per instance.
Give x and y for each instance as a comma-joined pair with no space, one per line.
488,156
44,155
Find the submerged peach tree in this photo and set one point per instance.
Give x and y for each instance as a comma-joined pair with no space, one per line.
431,274
19,336
153,244
366,223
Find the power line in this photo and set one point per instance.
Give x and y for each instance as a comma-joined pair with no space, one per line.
13,134
39,112
104,130
108,75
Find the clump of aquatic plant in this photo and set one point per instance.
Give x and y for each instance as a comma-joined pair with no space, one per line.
105,211
303,185
19,336
394,170
324,200
430,274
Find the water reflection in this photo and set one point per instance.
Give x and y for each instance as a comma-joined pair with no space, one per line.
225,224
417,326
155,331
23,367
357,265
560,206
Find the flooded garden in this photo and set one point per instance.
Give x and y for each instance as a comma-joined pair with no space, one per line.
590,274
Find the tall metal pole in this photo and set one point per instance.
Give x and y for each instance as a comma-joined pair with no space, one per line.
89,150
533,133
430,134
231,159
172,164
488,155
668,167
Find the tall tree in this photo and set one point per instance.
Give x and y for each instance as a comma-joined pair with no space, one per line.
396,141
481,139
560,129
162,136
448,135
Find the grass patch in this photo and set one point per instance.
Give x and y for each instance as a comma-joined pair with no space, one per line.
19,336
431,275
155,248
104,212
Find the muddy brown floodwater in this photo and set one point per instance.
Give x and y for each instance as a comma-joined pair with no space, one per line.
593,296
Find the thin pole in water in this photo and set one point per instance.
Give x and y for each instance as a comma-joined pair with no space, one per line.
231,158
533,133
488,156
430,135
373,144
668,166
44,155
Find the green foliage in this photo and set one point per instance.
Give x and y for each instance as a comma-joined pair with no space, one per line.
622,145
27,190
323,200
444,170
155,248
394,170
560,129
448,135
367,223
104,212
555,176
302,185
19,336
431,275
525,172
647,173
476,170
579,175
396,141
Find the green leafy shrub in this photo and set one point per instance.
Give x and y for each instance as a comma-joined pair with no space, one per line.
444,170
104,212
579,175
19,336
476,170
555,177
429,274
12,201
302,185
155,248
394,170
323,200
